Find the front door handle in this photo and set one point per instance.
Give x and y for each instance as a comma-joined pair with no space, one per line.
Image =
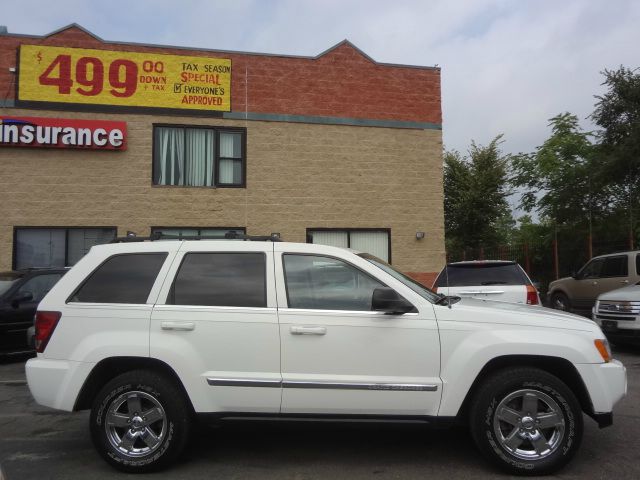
624,282
297,330
178,326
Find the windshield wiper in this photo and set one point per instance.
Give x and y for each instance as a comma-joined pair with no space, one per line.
493,283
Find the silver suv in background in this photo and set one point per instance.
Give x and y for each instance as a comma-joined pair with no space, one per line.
601,274
618,314
499,280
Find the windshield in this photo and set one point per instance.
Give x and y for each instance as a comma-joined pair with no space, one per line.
7,280
408,281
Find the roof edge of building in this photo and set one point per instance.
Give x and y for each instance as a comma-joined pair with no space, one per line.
235,52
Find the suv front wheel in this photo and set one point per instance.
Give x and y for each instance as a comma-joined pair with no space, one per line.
527,421
560,301
140,421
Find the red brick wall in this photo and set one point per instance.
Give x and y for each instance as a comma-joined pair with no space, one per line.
340,83
425,278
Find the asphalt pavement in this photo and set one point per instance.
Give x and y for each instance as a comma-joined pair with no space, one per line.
40,443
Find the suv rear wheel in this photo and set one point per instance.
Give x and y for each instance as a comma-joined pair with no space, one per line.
527,421
140,421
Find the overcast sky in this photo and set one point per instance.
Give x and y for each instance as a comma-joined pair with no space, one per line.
507,66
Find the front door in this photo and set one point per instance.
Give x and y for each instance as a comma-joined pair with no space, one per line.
18,316
339,356
599,276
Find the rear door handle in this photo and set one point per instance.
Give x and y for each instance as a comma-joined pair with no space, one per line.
297,330
178,326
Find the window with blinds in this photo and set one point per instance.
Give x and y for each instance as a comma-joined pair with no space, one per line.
198,156
376,242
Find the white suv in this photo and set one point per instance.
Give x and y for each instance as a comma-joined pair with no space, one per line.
499,280
149,334
618,314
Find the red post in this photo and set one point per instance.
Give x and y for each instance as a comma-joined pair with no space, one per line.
556,267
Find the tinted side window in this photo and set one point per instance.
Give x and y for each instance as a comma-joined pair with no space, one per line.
40,285
638,264
121,279
615,267
467,275
221,279
592,269
326,283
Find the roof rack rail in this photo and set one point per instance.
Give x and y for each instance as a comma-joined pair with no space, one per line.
227,236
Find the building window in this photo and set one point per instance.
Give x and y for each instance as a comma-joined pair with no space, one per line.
198,157
56,247
377,242
187,232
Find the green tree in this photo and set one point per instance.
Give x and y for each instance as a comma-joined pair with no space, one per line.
617,113
475,196
557,180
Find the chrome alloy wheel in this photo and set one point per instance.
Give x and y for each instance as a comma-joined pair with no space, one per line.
135,424
529,424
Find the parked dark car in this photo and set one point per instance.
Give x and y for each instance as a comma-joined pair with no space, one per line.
20,293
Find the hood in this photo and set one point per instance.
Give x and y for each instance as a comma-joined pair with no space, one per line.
488,311
629,293
560,281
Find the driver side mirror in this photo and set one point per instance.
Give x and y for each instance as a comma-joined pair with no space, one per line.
21,298
387,300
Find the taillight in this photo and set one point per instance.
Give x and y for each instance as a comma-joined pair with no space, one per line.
45,325
532,295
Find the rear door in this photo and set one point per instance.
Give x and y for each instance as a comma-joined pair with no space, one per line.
505,282
216,325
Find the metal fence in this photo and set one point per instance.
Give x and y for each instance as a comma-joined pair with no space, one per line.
564,253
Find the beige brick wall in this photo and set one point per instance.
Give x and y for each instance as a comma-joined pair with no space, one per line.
298,176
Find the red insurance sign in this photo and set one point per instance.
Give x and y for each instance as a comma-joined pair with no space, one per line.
43,132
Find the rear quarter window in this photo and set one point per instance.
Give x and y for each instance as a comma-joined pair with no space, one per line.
124,278
481,274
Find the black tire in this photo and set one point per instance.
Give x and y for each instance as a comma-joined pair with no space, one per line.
130,440
559,301
510,434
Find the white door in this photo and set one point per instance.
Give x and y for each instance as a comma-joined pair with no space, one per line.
339,356
218,327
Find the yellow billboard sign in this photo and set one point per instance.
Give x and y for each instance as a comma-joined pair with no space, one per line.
127,79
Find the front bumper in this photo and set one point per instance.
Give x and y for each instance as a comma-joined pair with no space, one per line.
603,419
607,385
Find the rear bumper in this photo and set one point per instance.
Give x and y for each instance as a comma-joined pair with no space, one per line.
56,383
